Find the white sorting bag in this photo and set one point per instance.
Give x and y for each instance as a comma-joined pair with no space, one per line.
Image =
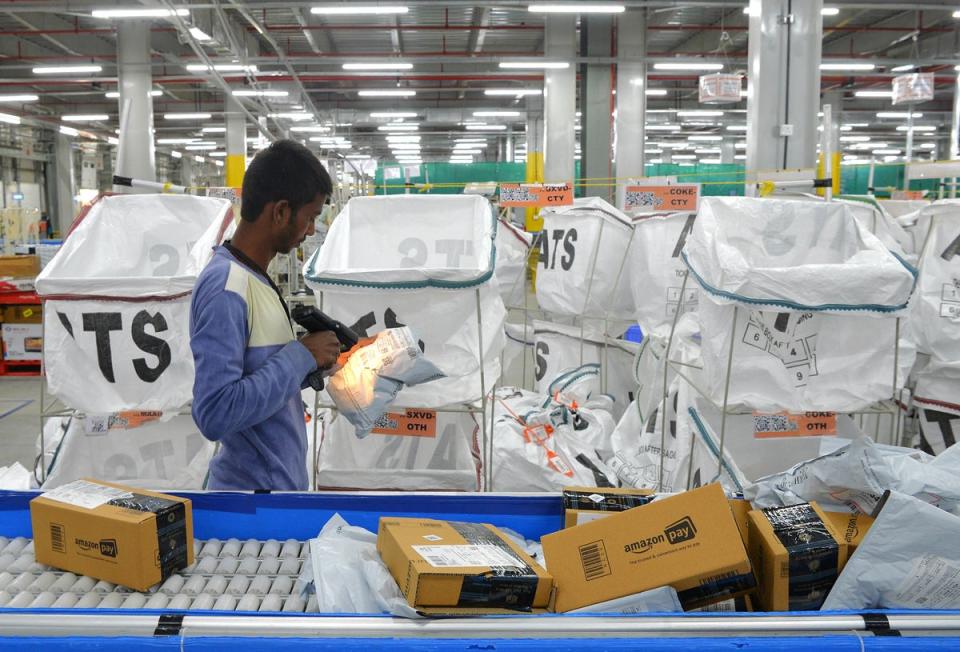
513,252
425,262
117,301
582,268
816,298
657,271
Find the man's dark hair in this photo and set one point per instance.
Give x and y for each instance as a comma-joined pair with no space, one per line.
284,170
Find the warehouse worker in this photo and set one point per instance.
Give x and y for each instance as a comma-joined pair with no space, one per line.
249,365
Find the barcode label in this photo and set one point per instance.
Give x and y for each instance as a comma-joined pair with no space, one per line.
85,494
467,555
773,423
593,558
57,540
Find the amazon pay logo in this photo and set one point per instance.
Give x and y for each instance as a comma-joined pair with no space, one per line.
682,530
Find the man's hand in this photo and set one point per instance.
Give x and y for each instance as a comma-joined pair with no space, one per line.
324,346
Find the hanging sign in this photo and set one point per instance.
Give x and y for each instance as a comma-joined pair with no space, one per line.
536,195
678,198
912,89
720,88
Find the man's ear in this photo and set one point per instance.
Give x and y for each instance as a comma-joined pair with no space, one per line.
281,212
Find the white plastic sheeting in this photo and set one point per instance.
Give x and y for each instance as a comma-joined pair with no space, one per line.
817,296
582,268
421,262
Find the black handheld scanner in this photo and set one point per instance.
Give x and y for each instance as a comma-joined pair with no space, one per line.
311,319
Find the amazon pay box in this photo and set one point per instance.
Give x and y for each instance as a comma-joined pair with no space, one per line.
448,567
120,534
689,541
798,553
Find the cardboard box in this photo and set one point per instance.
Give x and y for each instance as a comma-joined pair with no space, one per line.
741,508
120,534
852,527
22,314
453,567
22,342
688,541
19,266
797,554
584,504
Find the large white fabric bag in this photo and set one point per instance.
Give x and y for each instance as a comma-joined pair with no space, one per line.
582,268
816,297
513,252
117,301
657,270
425,262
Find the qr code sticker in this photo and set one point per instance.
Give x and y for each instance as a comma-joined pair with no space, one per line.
386,423
773,423
515,194
640,199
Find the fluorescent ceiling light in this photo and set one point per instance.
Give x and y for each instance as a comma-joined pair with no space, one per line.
9,119
655,161
857,124
85,117
218,154
584,8
688,66
740,145
219,164
403,139
313,129
199,148
405,146
684,157
496,114
199,159
398,128
295,116
653,151
709,161
113,140
138,13
886,151
518,92
66,131
898,114
740,157
481,140
707,150
705,137
359,157
663,127
736,127
213,130
176,154
486,127
658,92
199,34
250,92
116,94
917,128
847,66
176,141
928,146
854,139
19,97
874,94
393,114
65,70
904,68
387,93
359,9
956,14
221,67
829,11
186,116
385,65
535,65
699,114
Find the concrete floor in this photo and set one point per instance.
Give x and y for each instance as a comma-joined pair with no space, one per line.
19,420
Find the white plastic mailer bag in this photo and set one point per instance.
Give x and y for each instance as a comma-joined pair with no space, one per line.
425,262
117,301
816,299
365,387
513,252
909,559
657,271
855,477
409,449
582,268
562,353
543,445
144,449
518,359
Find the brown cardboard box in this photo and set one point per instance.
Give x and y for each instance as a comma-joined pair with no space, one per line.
688,541
19,266
584,504
797,554
852,527
120,534
741,508
22,342
22,314
453,567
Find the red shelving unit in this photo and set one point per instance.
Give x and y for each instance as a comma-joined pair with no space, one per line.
19,367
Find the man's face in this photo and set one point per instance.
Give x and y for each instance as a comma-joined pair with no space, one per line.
300,225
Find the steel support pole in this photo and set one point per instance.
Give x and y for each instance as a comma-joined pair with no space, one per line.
66,184
783,78
629,124
596,92
236,142
560,100
135,153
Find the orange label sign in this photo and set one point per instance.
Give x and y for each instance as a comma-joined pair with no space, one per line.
680,198
906,194
787,424
536,195
412,423
103,423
